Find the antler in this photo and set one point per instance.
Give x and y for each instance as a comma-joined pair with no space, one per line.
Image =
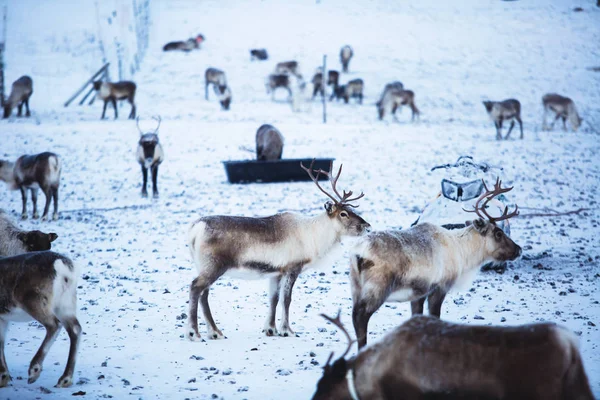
137,123
338,322
344,199
157,118
488,195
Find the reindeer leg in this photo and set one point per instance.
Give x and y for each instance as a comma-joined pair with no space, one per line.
144,181
555,119
24,199
360,98
416,306
4,375
274,287
55,198
34,193
362,310
154,170
27,113
20,109
199,290
435,300
132,113
544,117
114,103
48,194
564,121
286,288
520,126
104,109
512,125
206,91
74,330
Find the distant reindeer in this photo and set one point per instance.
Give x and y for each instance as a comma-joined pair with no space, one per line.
224,95
14,240
21,91
275,81
564,108
317,81
395,98
188,45
346,54
216,77
426,359
258,54
396,85
287,67
150,155
33,172
499,111
279,246
114,91
425,262
40,286
269,143
353,89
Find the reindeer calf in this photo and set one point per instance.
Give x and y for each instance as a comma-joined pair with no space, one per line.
564,108
269,143
395,98
353,89
113,91
215,77
149,155
21,91
14,240
346,55
33,172
499,111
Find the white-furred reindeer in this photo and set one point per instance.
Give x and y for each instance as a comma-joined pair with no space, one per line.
149,154
278,247
425,262
563,108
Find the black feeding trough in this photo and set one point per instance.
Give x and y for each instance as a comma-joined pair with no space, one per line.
253,171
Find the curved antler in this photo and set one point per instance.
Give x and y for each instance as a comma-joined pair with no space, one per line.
157,118
315,179
137,123
488,195
338,322
344,199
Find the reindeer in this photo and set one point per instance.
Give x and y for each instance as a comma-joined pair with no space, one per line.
346,55
354,88
396,85
14,240
216,77
269,143
224,95
426,358
113,91
150,155
33,172
188,45
425,262
562,107
279,247
275,81
393,98
21,91
502,110
258,54
40,286
317,81
287,68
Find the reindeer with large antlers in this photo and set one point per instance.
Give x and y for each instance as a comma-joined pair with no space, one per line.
280,247
425,262
149,154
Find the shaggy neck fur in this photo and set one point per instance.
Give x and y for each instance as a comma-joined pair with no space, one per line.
318,235
468,251
9,244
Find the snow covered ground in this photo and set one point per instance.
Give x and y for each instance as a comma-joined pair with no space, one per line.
136,266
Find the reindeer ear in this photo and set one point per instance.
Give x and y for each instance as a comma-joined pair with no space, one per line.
330,207
52,236
480,225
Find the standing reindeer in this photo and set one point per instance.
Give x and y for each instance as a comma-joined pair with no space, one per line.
499,111
14,240
269,143
353,89
288,68
215,77
275,81
333,78
224,95
564,108
346,55
33,172
20,93
393,99
426,358
279,247
114,91
149,155
425,262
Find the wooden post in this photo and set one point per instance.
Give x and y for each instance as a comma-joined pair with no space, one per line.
100,71
2,47
324,74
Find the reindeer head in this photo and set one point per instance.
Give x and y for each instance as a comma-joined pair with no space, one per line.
351,224
497,243
148,141
37,240
488,105
97,85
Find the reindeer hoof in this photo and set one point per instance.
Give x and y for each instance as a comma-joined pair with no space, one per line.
34,373
44,217
24,216
194,336
55,217
144,194
270,331
155,195
4,379
64,381
215,334
287,332
36,216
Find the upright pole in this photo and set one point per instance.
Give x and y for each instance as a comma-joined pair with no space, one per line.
324,74
2,47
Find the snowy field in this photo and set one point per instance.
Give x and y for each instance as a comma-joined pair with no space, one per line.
136,267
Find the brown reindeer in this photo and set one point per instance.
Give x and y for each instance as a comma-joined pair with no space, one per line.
149,155
288,68
426,359
499,111
393,99
333,78
21,91
215,77
346,54
188,45
275,81
14,240
269,143
280,247
353,89
425,262
563,108
113,91
259,54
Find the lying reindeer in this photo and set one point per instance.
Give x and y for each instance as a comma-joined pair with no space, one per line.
258,54
425,261
33,172
149,155
269,143
114,91
14,240
426,358
395,98
504,110
40,286
279,246
20,93
353,89
346,55
215,77
188,45
562,107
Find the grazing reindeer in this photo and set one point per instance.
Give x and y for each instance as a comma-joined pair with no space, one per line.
33,172
333,78
278,246
224,95
40,286
426,358
425,261
114,91
216,77
346,55
354,88
149,154
15,241
20,93
269,143
503,110
562,107
395,98
258,54
275,81
288,68
396,85
188,45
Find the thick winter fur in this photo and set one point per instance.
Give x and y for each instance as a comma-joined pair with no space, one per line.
269,143
425,261
188,45
113,91
288,68
215,77
563,108
499,111
394,98
333,78
278,247
353,89
150,155
426,358
33,172
259,54
22,90
346,55
40,286
14,240
224,95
